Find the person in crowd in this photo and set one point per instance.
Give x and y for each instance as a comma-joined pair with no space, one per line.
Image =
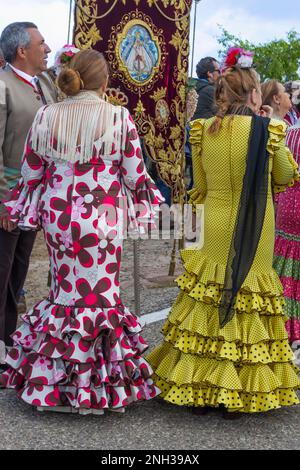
62,58
191,105
2,61
208,72
275,95
23,90
225,343
287,242
293,89
83,178
287,227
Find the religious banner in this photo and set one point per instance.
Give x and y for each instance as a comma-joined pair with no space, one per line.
146,43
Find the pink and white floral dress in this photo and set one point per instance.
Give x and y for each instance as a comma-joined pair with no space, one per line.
81,347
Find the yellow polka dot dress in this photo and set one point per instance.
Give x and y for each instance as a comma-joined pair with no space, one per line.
247,365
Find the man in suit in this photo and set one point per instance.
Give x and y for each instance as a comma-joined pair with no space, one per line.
24,88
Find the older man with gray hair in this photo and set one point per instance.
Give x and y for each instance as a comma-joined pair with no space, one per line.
24,88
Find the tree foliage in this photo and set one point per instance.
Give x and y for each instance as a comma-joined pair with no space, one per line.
279,59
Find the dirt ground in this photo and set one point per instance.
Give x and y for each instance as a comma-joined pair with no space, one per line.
155,258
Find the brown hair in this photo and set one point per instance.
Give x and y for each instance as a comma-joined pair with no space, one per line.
88,70
269,89
232,93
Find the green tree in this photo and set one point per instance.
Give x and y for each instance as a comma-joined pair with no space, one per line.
279,59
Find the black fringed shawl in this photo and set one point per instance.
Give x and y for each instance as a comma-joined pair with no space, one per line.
250,217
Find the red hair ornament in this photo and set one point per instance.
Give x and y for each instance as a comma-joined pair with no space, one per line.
238,56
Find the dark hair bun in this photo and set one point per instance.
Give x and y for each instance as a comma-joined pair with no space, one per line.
69,82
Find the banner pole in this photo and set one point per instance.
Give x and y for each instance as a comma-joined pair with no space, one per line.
70,19
137,277
194,32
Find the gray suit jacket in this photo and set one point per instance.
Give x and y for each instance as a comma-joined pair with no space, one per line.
19,104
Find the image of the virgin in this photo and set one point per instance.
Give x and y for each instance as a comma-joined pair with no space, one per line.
139,60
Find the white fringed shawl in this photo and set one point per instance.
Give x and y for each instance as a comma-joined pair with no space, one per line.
73,129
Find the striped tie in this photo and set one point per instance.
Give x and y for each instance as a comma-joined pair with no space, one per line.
39,89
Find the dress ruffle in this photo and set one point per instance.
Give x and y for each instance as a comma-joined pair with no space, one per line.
231,399
86,358
293,326
287,265
262,352
196,197
142,205
196,130
277,133
188,369
287,247
23,205
206,271
245,327
246,365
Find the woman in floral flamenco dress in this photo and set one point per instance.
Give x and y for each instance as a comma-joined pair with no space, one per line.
287,242
225,343
80,349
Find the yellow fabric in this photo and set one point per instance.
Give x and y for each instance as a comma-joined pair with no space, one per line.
247,365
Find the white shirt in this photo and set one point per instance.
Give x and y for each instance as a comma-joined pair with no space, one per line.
26,77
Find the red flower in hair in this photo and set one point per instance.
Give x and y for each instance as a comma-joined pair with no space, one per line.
232,57
238,56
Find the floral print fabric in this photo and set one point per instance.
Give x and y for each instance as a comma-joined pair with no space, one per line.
81,346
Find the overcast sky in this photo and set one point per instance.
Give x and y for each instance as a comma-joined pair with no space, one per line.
256,20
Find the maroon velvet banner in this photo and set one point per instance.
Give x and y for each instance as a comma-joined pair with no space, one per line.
146,43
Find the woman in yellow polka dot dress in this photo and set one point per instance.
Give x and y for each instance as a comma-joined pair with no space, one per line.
225,343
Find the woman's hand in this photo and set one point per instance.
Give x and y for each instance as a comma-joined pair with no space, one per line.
266,111
6,224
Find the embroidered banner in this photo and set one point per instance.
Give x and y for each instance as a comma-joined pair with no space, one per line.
146,43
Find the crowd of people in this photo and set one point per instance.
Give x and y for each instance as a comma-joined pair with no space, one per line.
72,165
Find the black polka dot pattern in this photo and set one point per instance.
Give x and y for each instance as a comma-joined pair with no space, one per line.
247,365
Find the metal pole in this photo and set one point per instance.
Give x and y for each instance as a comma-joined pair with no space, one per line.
137,277
70,19
172,266
194,31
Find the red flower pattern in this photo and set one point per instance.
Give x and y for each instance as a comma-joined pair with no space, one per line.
96,165
82,244
91,198
65,207
59,247
62,282
108,203
114,268
81,346
106,245
93,297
